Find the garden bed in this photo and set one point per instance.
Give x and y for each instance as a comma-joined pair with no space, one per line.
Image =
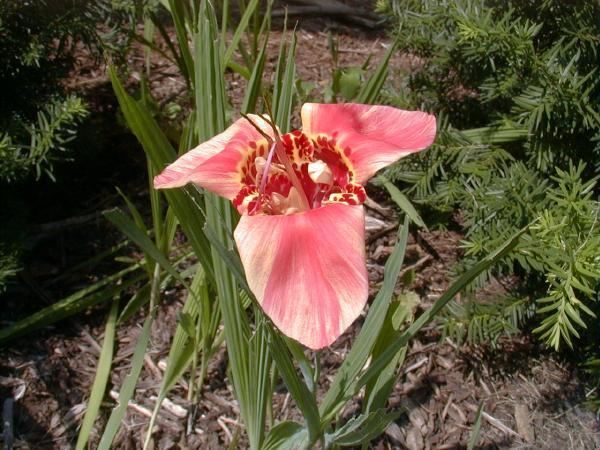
531,398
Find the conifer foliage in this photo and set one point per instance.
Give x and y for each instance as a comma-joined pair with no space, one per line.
38,43
39,40
517,85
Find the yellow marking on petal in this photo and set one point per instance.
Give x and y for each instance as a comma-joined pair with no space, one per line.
247,168
327,148
298,146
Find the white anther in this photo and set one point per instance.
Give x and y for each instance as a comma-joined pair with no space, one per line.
320,172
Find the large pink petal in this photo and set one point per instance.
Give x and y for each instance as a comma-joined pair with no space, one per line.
307,270
215,164
372,136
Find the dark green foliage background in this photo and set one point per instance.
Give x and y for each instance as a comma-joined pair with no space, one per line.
38,41
38,117
515,85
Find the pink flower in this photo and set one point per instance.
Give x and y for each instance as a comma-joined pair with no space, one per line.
301,234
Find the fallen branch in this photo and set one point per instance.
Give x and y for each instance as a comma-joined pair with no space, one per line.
332,8
60,225
335,7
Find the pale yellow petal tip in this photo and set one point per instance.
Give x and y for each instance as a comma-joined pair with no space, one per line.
166,180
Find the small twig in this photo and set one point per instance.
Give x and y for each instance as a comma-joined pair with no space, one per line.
175,409
447,407
485,388
495,422
284,408
455,407
563,413
354,51
88,337
416,365
415,266
215,399
137,408
382,232
383,210
423,349
230,421
498,424
153,368
428,247
225,429
90,82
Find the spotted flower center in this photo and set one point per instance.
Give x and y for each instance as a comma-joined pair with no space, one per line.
322,174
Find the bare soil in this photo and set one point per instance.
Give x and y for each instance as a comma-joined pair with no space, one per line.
531,398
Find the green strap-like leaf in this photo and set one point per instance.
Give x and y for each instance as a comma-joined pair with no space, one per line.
371,89
361,429
248,363
102,291
476,428
139,222
160,151
377,391
101,379
403,203
303,397
254,87
242,25
140,297
361,350
182,347
383,360
140,238
128,387
176,7
285,81
286,436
